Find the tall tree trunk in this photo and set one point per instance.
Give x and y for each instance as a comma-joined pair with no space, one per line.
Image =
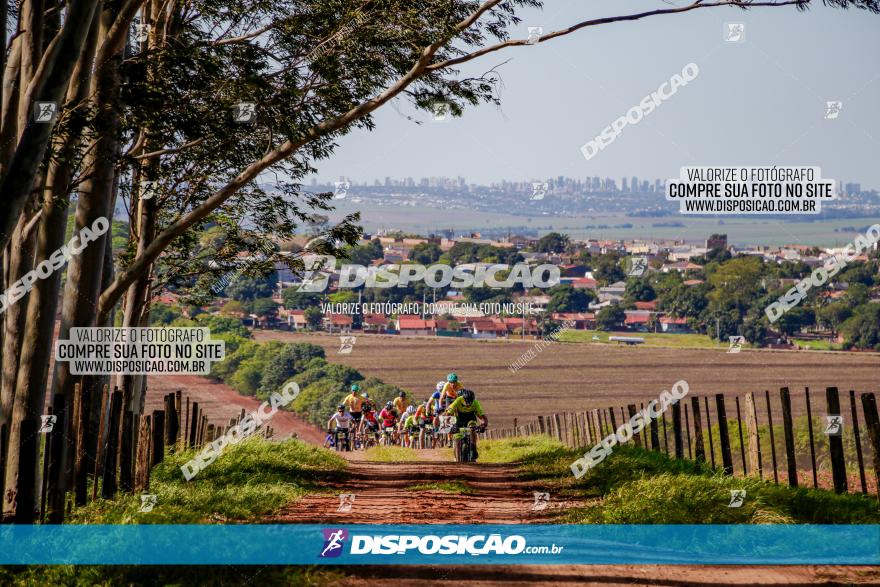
39,329
21,254
63,53
85,270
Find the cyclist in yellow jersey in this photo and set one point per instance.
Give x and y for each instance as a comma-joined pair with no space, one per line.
450,390
355,403
401,403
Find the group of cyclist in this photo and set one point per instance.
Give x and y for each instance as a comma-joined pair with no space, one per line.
428,424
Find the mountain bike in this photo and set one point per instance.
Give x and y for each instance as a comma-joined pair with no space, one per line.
369,438
388,434
463,443
427,436
343,439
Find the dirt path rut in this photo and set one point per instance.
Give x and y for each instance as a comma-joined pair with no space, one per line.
387,493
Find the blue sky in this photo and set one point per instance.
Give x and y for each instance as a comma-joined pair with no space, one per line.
759,102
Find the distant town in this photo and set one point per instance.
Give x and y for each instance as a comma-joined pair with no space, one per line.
560,196
654,286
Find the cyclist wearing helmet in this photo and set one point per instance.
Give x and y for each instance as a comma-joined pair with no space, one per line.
369,424
355,403
450,390
467,409
388,416
341,419
401,403
425,419
408,426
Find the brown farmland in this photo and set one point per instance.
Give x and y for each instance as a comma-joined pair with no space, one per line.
576,376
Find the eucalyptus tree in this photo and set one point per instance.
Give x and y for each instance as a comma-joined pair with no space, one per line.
152,98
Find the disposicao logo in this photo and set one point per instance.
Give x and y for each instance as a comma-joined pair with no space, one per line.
333,539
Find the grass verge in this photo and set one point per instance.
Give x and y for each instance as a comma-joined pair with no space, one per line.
252,479
637,486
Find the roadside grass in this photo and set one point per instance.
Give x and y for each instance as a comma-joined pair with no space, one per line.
107,576
391,454
251,479
817,345
637,486
652,339
455,487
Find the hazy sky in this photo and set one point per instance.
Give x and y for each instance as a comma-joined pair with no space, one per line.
759,102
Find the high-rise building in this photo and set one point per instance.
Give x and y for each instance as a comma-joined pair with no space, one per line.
623,185
634,185
646,187
717,241
852,189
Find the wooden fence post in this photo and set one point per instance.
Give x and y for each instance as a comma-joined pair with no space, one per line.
699,447
872,426
655,435
687,431
835,443
171,422
126,451
569,431
613,420
742,444
108,489
159,436
179,417
755,460
541,423
788,431
676,430
665,435
142,458
724,434
772,436
858,439
82,405
101,441
193,425
709,429
631,411
812,443
186,425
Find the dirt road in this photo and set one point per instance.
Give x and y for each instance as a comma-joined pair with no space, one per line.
402,493
398,493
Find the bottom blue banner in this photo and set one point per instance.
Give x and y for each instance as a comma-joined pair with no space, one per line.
309,544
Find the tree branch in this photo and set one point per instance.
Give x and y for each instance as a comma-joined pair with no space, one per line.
606,20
